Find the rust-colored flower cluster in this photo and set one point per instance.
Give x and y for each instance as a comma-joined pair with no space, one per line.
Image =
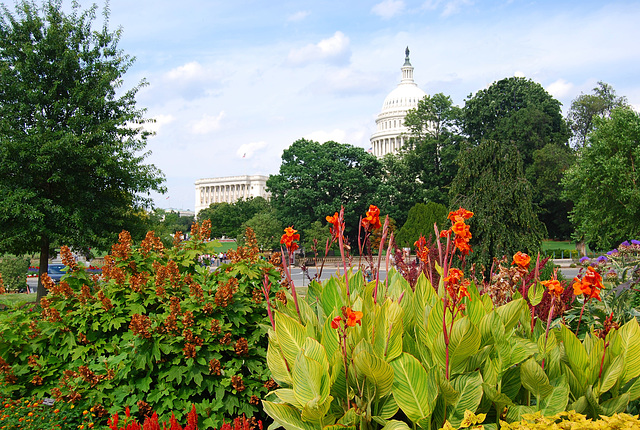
250,252
241,347
215,368
224,293
281,296
7,371
68,259
33,361
106,302
422,251
460,229
289,237
2,290
49,313
237,383
33,328
349,318
169,273
85,294
195,291
372,220
151,243
82,339
226,339
170,323
191,341
37,380
122,249
140,325
608,325
111,271
215,327
187,319
270,384
590,285
456,286
139,281
60,289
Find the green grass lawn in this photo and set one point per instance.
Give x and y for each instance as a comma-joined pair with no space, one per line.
11,300
558,244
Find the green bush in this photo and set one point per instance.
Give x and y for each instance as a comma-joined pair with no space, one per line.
14,272
157,331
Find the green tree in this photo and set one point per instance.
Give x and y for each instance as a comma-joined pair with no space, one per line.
316,179
267,228
604,182
319,231
71,142
586,107
420,223
226,219
515,110
491,183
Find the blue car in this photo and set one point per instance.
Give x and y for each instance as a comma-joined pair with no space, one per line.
56,272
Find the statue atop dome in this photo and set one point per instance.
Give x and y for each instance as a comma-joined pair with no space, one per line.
406,58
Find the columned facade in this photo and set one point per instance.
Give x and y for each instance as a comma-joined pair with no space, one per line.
229,189
391,134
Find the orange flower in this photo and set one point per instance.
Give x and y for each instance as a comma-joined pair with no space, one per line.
463,246
288,239
454,276
333,220
353,317
445,233
421,250
590,284
460,213
372,220
554,287
521,259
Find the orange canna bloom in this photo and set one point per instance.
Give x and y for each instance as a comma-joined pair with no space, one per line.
463,245
445,233
454,276
288,239
335,323
521,259
460,213
333,220
590,284
354,317
372,220
554,287
421,251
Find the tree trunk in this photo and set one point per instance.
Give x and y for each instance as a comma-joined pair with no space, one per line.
44,266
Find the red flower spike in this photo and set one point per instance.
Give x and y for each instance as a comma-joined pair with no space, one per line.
336,322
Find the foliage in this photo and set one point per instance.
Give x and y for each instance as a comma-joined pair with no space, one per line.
316,236
604,182
267,228
71,142
572,419
490,182
157,331
587,107
314,179
420,222
13,273
545,174
227,219
515,110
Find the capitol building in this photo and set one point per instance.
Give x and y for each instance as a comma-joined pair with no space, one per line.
389,137
390,134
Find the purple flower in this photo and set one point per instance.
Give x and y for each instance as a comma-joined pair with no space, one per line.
635,242
613,251
625,244
602,259
584,259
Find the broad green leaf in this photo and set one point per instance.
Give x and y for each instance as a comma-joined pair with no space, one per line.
611,374
557,401
627,345
396,425
615,405
378,371
330,339
534,379
290,335
634,390
414,389
310,381
316,412
287,396
575,353
510,313
332,296
277,364
287,416
535,293
499,399
470,388
388,330
313,349
386,408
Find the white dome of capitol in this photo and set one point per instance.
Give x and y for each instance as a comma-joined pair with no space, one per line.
405,96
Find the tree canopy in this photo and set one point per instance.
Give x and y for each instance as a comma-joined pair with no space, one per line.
420,222
315,179
491,183
586,107
71,142
227,219
604,182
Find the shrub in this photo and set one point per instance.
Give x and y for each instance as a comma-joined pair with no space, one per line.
13,272
157,330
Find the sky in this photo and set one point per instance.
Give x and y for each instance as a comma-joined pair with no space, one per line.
231,84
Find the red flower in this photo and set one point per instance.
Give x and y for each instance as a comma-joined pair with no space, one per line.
336,322
354,317
554,287
590,284
460,213
288,239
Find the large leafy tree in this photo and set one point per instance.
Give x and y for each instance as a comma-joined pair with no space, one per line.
315,179
420,222
604,184
517,111
587,107
227,219
491,183
71,141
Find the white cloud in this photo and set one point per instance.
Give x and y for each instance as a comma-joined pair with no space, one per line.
160,121
334,50
347,81
190,71
191,80
560,88
298,16
388,8
207,124
519,74
247,150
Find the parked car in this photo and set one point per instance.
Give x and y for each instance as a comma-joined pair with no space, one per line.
56,272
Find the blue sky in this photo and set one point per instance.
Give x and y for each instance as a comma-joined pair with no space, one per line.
233,83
